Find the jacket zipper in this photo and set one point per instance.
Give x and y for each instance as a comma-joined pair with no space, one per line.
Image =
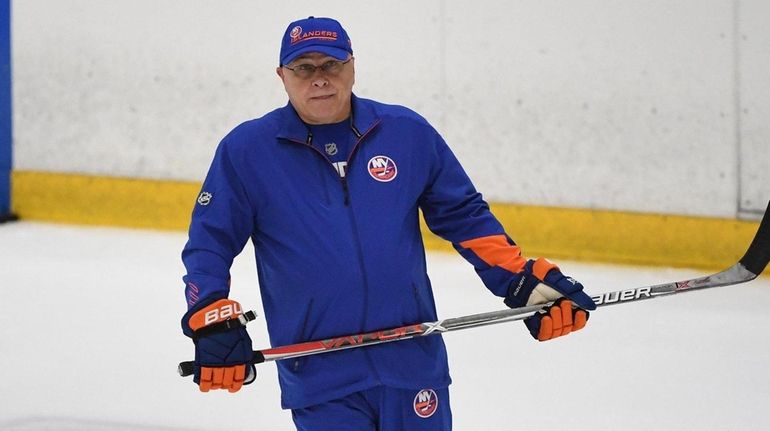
309,143
359,138
343,179
303,332
356,236
345,190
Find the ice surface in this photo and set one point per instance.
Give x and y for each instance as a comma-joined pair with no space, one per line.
90,339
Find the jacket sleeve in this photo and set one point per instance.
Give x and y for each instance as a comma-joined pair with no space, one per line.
222,222
456,212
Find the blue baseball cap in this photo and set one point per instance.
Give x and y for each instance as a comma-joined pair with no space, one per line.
324,35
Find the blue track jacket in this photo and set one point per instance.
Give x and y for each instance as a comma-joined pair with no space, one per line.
342,255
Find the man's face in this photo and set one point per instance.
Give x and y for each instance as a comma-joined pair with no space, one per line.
324,96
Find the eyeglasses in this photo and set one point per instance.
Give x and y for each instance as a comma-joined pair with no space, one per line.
307,70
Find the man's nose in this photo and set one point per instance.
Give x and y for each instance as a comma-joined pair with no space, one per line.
320,82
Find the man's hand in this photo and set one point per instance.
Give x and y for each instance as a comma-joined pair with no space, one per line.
222,354
557,320
540,282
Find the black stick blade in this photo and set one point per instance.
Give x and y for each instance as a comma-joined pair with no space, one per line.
758,255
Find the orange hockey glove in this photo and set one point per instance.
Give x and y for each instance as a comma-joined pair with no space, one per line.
541,282
222,346
559,319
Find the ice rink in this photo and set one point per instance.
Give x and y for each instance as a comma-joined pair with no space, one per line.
90,339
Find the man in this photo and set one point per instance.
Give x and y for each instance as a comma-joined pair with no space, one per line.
328,189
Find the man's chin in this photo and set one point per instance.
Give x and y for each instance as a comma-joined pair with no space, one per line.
322,116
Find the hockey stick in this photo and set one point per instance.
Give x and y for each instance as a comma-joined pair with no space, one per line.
746,269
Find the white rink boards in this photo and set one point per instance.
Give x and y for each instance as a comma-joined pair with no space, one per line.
655,107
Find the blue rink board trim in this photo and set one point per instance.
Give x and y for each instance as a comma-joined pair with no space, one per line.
5,107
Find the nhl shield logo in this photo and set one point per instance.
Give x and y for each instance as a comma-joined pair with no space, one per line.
382,168
425,403
204,198
331,148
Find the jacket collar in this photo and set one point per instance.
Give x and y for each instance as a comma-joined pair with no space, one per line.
363,119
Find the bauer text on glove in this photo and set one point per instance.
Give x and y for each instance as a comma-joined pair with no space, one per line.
222,351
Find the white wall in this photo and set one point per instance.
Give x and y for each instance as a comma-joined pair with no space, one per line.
627,105
753,80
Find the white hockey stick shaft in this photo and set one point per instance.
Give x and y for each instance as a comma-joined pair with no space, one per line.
747,268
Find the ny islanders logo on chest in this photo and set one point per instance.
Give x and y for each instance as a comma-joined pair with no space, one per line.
382,168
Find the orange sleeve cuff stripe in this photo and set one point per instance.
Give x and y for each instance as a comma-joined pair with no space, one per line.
494,250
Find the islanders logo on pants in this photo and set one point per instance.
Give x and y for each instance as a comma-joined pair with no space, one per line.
382,168
425,403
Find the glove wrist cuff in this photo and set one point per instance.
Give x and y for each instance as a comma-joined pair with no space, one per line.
224,325
541,267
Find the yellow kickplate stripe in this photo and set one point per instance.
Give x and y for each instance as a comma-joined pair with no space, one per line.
578,234
95,200
621,237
